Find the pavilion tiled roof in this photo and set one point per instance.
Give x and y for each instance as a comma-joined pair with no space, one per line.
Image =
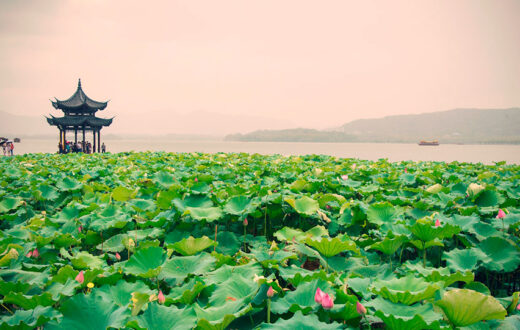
79,102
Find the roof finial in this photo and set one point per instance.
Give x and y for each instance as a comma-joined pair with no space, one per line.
79,83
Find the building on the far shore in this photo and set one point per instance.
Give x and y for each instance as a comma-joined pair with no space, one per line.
79,116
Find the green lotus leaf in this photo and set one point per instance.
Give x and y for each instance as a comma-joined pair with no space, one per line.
122,194
299,185
90,312
389,245
296,275
190,246
269,257
204,213
161,317
109,217
9,203
330,247
304,205
143,205
425,230
463,260
31,318
247,271
289,234
408,179
47,192
85,260
121,293
66,289
380,213
178,268
165,198
398,316
69,184
240,205
228,243
501,254
465,307
29,302
235,287
146,262
480,287
328,198
440,274
193,201
186,293
219,317
406,290
301,322
301,299
30,277
488,198
164,179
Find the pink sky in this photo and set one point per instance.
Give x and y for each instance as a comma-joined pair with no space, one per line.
314,64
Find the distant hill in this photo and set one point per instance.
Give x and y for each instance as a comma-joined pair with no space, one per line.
22,126
292,135
453,126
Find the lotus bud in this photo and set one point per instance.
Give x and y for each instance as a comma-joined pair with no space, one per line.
318,296
29,254
161,298
80,277
437,223
326,301
80,228
501,214
405,170
196,180
518,307
360,308
245,222
118,257
35,253
344,177
270,292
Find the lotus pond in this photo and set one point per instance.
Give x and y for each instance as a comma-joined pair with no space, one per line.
214,241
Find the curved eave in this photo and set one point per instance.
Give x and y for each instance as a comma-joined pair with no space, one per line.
79,121
79,101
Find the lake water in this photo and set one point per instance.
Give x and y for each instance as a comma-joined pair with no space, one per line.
372,151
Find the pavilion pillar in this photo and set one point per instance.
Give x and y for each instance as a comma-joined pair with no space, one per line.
94,142
83,146
99,140
64,136
75,134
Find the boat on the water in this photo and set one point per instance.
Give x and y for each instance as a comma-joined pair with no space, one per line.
429,143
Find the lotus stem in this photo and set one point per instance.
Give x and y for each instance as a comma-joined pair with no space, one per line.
268,310
7,308
424,257
265,222
215,246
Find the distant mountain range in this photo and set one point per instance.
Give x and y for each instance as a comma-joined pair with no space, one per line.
454,126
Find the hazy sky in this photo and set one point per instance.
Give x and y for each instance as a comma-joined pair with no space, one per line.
293,63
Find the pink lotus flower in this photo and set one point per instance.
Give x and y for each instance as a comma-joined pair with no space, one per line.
326,301
80,228
405,170
344,177
118,257
270,292
196,180
80,277
318,296
161,298
501,214
518,307
245,222
29,254
360,308
35,253
437,223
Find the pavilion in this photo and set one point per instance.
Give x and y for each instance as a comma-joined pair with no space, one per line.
79,115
